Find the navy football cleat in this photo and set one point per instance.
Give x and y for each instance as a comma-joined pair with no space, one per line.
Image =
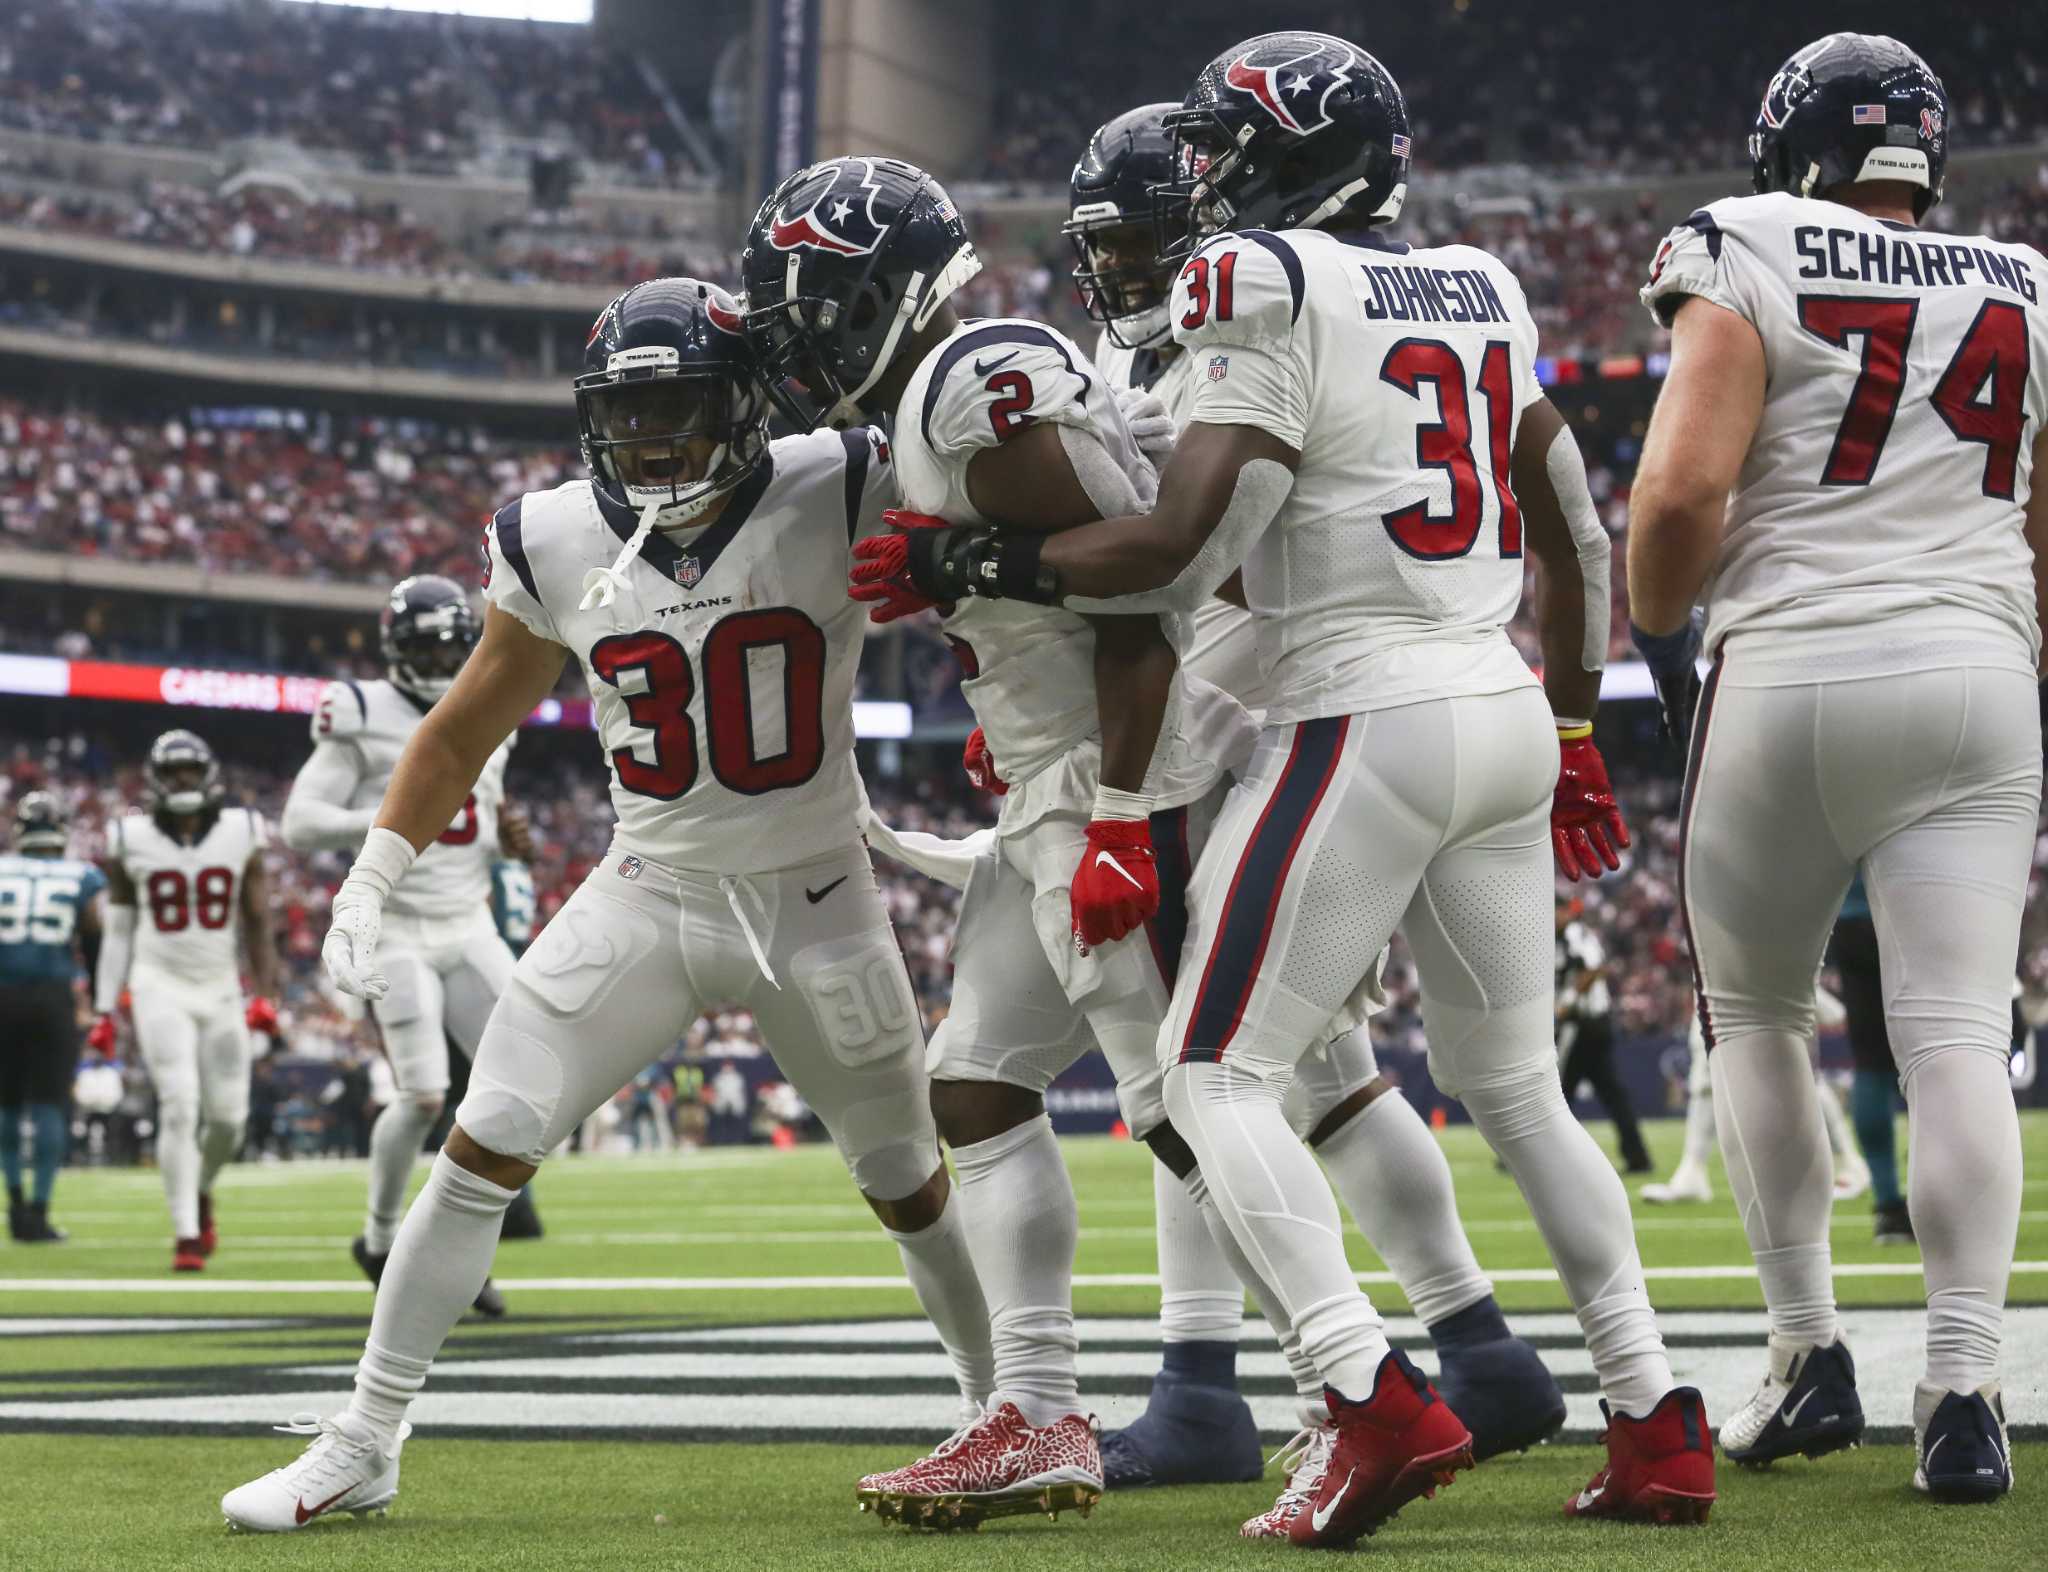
1503,1392
1806,1403
1189,1434
1960,1448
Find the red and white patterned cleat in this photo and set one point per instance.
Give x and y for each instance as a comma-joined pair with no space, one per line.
1400,1443
998,1466
1305,1460
209,1236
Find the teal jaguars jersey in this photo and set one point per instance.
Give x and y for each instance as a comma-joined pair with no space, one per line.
40,899
512,903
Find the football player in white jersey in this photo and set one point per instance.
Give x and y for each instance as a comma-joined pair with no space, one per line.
1386,1166
1111,755
440,950
699,578
1368,443
1842,466
187,900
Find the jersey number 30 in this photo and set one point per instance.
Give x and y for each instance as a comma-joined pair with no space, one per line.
1981,395
663,704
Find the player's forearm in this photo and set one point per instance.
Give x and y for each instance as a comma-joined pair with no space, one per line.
1134,666
2037,542
310,824
1672,541
260,946
111,974
432,781
1573,691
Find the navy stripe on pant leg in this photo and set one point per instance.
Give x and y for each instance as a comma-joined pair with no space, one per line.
1700,721
1245,926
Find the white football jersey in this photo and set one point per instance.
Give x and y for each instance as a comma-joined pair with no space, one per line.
1888,477
452,877
723,671
1223,647
1030,670
188,897
1400,375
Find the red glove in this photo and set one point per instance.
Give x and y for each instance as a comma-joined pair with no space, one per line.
261,1015
1116,888
100,1038
980,765
1585,820
881,567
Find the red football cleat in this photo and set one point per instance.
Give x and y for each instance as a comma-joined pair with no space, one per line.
1660,1468
998,1466
208,1238
1400,1443
188,1255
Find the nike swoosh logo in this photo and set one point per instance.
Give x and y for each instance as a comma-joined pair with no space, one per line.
1319,1519
815,896
1790,1411
983,367
1590,1495
1104,860
306,1515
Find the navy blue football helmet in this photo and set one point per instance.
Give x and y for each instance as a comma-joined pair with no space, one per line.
182,776
426,632
1285,131
1848,107
41,826
669,404
845,262
1123,284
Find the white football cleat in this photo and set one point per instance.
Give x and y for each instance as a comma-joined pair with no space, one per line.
1303,1462
1688,1183
344,1470
1852,1177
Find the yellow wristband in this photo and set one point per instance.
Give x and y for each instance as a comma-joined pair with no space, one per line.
1574,731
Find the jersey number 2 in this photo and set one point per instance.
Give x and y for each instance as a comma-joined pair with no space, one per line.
1446,444
663,705
1980,397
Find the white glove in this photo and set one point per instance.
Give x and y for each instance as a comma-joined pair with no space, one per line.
349,952
1151,427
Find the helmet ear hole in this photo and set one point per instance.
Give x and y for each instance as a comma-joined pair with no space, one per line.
868,309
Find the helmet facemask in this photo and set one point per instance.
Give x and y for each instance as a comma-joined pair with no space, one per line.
426,660
182,776
675,439
1121,281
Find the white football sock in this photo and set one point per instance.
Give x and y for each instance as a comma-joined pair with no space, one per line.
1964,1197
441,1258
1841,1143
1774,1145
1017,1206
177,1162
1699,1133
1581,1210
1308,1381
941,1272
395,1141
1201,1297
1397,1185
219,1140
1280,1211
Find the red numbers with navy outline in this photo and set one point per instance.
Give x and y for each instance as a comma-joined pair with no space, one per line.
462,830
1980,397
662,704
1446,444
1012,410
174,899
1196,276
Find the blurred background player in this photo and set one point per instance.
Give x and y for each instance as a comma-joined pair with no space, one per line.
441,949
1874,1094
1841,464
49,922
1380,1155
1407,759
696,554
187,899
1585,1029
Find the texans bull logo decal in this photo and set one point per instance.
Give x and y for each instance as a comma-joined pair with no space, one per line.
1294,88
722,312
831,212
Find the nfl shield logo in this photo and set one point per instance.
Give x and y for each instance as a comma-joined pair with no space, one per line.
1219,367
688,571
629,867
